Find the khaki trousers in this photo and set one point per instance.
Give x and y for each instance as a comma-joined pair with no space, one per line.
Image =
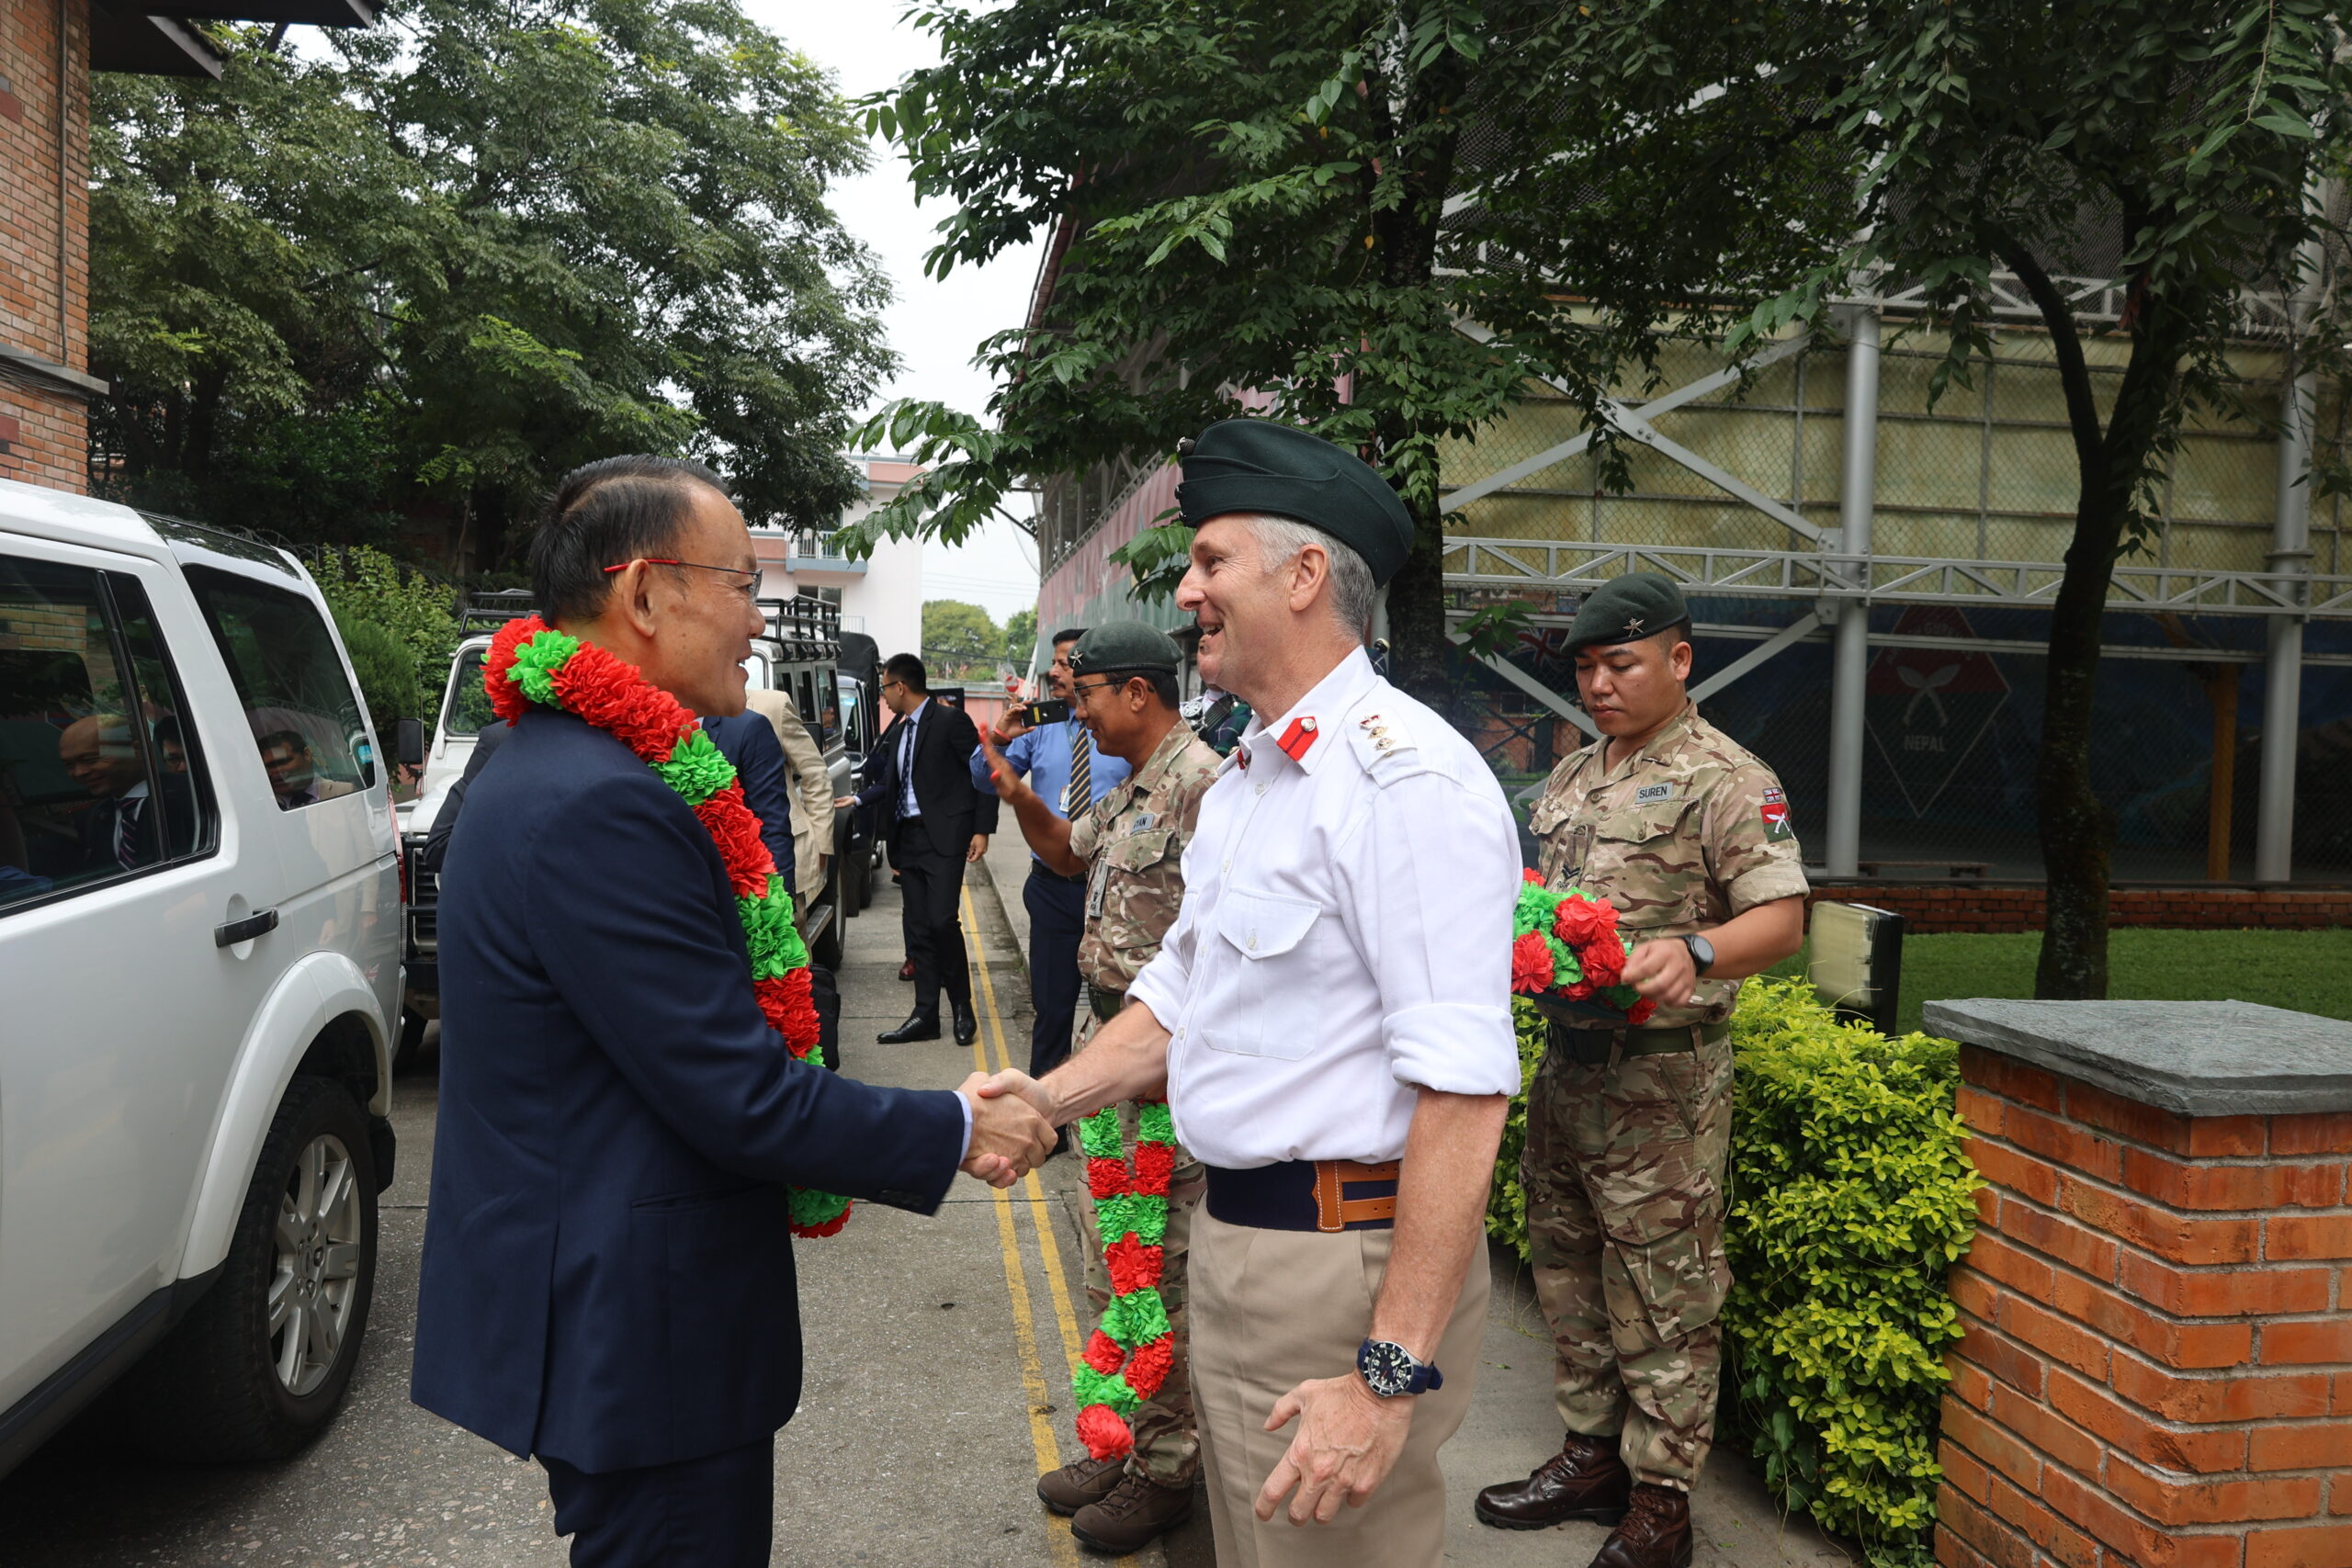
1271,1309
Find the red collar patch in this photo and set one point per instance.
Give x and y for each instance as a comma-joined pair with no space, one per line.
1298,739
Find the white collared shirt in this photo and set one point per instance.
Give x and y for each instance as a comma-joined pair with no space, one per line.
1345,936
907,806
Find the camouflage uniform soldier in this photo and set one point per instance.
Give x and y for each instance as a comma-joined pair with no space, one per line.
1629,1129
1131,844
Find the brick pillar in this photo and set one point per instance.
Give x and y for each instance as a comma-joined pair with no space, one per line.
2157,1362
45,242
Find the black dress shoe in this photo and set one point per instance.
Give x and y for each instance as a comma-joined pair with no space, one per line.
919,1026
967,1027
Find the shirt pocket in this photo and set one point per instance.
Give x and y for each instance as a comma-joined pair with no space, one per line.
1653,872
1272,1006
1132,853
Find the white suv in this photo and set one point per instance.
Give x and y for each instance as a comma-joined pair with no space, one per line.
199,948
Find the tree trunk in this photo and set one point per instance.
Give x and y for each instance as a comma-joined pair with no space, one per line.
2077,828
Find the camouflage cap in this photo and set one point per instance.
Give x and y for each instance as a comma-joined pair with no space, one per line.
1258,465
1125,647
1638,605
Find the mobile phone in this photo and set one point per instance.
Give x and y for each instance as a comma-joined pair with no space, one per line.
1034,714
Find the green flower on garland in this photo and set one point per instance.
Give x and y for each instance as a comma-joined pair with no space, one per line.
696,769
537,661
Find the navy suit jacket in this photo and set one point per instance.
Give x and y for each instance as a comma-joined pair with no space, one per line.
749,740
607,1275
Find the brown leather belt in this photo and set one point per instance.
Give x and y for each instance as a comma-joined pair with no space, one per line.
1306,1195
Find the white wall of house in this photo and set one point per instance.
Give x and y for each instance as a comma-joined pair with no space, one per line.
881,595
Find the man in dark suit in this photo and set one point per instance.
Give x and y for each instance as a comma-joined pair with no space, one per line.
934,821
119,831
607,1279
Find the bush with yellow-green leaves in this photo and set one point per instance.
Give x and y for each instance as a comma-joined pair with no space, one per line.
1849,1200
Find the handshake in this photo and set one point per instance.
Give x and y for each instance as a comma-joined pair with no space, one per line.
1013,1131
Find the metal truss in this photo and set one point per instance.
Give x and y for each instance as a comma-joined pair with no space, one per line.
1579,567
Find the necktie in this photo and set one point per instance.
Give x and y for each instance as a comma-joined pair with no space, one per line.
1081,793
126,834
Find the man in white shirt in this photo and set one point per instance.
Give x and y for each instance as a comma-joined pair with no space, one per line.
1330,1015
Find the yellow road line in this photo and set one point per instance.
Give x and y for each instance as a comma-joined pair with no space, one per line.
1061,1544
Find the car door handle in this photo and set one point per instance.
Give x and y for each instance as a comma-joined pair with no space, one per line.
245,930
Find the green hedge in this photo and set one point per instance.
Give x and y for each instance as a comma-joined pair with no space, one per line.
1849,1200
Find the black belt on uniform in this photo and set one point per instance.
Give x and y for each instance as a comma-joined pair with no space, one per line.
1327,1195
1039,868
1591,1047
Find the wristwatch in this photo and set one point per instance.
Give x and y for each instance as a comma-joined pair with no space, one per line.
1702,953
1390,1371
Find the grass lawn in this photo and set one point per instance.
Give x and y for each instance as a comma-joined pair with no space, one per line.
2308,971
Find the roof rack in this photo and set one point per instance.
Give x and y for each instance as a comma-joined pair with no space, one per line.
804,627
492,608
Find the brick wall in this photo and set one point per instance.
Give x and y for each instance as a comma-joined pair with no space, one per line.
44,430
2158,1366
2017,906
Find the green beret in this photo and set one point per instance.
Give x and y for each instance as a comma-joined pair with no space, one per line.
1638,605
1125,647
1256,464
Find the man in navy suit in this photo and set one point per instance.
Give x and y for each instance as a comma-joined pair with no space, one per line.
607,1279
933,821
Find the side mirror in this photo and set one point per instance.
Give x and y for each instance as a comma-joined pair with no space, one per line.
409,742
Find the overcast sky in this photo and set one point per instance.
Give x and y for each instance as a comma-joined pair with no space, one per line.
935,327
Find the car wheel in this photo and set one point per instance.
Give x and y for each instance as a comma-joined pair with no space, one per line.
258,1368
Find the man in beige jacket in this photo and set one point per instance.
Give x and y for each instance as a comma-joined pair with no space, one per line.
812,790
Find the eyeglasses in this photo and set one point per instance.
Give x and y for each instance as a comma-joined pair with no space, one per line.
749,589
1078,686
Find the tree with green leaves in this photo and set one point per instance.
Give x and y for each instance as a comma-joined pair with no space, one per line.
1251,204
1020,638
959,640
2175,149
445,259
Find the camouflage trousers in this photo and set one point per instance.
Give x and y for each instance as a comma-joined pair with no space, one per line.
1168,1435
1624,1168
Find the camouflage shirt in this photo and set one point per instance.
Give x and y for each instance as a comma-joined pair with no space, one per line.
1683,835
1133,841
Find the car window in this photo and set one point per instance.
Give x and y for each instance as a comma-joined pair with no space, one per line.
100,777
304,715
470,708
851,697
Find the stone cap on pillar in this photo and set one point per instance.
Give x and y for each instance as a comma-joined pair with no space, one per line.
2196,1058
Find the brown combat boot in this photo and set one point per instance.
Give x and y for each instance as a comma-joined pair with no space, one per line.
1585,1479
1136,1513
1656,1532
1079,1482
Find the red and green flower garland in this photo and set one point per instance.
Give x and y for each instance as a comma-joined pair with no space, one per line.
1128,1358
1565,948
530,662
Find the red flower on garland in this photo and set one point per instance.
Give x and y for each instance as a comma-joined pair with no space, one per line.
1151,1366
1103,1353
1105,1178
1582,991
1531,964
1639,1013
506,699
1155,1163
736,832
617,697
1580,920
1132,1264
798,1023
1528,873
1604,964
1105,1435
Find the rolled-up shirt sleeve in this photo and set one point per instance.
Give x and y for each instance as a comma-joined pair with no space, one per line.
1431,878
